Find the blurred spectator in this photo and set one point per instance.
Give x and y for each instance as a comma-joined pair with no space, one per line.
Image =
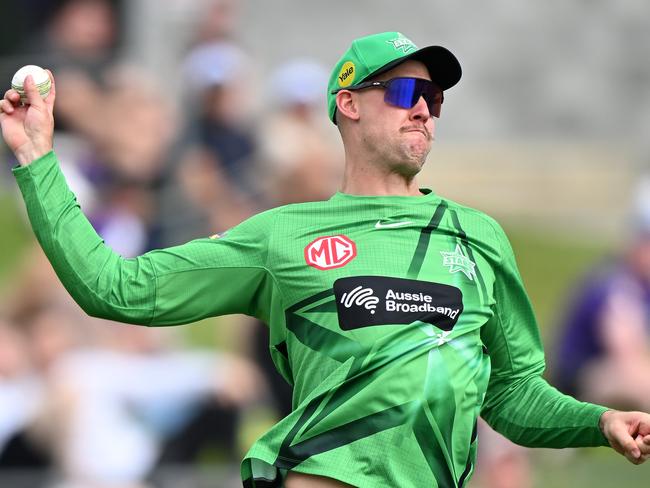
126,130
213,189
78,42
130,161
217,76
218,21
297,154
60,34
604,350
81,34
35,287
121,400
21,395
501,463
45,337
108,403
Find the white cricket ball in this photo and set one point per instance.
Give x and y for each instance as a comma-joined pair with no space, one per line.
40,76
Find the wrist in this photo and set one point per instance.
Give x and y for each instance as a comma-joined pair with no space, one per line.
603,419
28,155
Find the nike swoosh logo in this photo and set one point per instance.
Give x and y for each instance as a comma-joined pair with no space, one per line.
379,225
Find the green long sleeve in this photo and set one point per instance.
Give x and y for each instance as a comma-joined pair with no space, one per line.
519,403
182,284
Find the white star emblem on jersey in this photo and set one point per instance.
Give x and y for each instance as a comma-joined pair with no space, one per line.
457,261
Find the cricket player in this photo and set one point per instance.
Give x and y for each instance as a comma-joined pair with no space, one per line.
397,315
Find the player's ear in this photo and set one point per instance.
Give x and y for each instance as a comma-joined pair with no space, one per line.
347,104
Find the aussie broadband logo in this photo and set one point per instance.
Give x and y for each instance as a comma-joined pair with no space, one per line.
330,252
360,297
362,301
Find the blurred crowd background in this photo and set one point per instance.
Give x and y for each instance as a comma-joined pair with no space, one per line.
178,119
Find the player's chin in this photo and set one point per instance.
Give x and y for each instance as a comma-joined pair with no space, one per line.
417,152
410,164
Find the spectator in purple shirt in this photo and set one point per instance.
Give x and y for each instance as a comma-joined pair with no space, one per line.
604,350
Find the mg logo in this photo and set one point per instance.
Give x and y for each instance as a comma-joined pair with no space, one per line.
330,252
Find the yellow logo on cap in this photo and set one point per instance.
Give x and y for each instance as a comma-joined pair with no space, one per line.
346,75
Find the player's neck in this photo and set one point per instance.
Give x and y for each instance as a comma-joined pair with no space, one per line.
370,179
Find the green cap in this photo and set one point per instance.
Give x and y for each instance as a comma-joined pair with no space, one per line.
375,54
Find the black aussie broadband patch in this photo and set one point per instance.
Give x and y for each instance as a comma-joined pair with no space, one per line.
362,301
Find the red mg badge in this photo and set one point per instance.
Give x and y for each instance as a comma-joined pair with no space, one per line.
330,252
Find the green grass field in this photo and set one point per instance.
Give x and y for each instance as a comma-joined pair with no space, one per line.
15,235
549,263
586,468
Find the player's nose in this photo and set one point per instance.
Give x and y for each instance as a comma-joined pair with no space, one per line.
420,111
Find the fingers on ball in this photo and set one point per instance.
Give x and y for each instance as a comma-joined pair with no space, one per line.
12,95
6,107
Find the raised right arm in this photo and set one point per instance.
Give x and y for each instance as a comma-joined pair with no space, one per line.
182,284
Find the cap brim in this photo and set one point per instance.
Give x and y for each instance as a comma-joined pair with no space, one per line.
443,66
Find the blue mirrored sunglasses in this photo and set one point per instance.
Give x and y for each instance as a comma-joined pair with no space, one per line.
405,92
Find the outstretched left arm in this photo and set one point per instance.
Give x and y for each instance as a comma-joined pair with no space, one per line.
520,404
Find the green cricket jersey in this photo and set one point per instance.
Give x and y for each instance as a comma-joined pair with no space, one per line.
397,319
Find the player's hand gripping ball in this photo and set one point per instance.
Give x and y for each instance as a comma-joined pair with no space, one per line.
40,77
